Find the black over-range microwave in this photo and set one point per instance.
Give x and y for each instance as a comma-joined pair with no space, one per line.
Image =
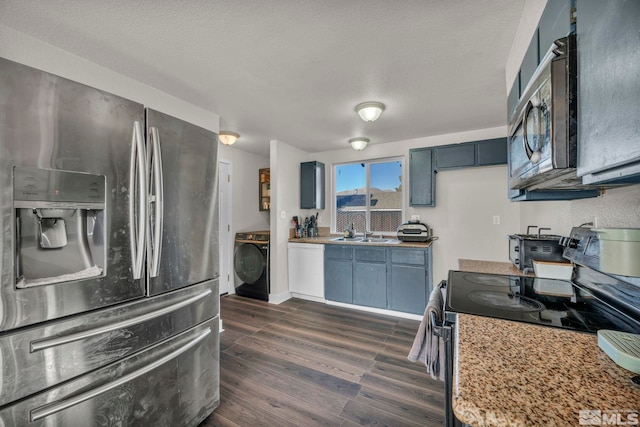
543,131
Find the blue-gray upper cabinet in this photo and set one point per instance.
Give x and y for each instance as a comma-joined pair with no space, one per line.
409,282
513,98
422,182
311,185
530,61
370,277
455,156
555,23
471,154
608,91
338,273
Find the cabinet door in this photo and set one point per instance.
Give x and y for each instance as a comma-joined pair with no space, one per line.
491,152
608,90
370,284
338,280
513,98
408,290
422,183
555,23
311,185
455,156
529,62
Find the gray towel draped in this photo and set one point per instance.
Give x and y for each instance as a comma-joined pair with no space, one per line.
427,347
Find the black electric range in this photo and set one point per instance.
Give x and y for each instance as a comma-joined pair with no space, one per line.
547,302
589,302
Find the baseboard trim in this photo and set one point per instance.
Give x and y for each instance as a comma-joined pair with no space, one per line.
377,310
279,298
308,297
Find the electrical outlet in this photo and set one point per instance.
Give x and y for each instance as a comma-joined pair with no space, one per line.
283,215
496,220
415,217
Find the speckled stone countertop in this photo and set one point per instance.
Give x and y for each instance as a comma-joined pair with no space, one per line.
491,267
327,241
517,374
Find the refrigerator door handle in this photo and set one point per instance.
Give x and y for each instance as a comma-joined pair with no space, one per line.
50,409
65,339
155,159
137,175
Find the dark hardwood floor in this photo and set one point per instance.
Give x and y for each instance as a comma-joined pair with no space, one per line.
302,363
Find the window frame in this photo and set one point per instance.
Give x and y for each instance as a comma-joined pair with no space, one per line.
368,163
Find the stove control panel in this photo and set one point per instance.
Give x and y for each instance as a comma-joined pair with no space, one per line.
582,247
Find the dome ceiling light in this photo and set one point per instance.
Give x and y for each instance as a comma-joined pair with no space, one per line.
228,137
369,111
359,143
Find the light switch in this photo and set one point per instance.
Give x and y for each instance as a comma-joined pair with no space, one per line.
283,215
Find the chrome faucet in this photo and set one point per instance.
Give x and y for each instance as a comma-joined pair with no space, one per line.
364,232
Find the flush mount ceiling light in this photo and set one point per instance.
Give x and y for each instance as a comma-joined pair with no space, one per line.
228,137
358,144
369,111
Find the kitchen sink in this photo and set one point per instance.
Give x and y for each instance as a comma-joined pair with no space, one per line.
379,240
347,239
367,240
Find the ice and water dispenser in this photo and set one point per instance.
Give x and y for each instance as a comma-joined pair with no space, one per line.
60,233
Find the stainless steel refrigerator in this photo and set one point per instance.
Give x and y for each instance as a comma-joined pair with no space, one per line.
109,304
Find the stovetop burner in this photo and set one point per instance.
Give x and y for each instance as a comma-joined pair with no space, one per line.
487,280
548,302
505,301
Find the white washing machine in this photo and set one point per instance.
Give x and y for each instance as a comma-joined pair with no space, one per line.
251,264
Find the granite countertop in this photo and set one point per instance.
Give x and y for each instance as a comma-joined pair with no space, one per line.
491,267
517,374
326,240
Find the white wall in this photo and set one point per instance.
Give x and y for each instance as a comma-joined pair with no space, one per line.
27,50
285,201
244,189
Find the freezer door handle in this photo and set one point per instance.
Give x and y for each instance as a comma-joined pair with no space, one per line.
65,339
50,409
155,161
138,175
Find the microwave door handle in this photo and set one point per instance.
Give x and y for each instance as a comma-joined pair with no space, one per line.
533,156
156,167
137,175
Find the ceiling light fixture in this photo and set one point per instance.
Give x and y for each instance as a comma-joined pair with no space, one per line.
369,111
359,143
228,137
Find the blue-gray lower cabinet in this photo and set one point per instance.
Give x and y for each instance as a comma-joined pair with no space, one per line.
338,273
370,277
396,279
409,279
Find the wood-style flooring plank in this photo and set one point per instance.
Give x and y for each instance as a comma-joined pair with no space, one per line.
331,403
265,398
365,415
274,363
304,363
316,362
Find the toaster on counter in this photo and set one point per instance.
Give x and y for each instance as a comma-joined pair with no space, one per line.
414,232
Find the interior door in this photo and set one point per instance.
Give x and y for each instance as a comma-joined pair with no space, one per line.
186,250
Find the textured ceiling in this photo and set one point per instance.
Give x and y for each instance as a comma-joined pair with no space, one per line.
293,70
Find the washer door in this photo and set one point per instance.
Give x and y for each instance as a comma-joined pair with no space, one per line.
249,263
